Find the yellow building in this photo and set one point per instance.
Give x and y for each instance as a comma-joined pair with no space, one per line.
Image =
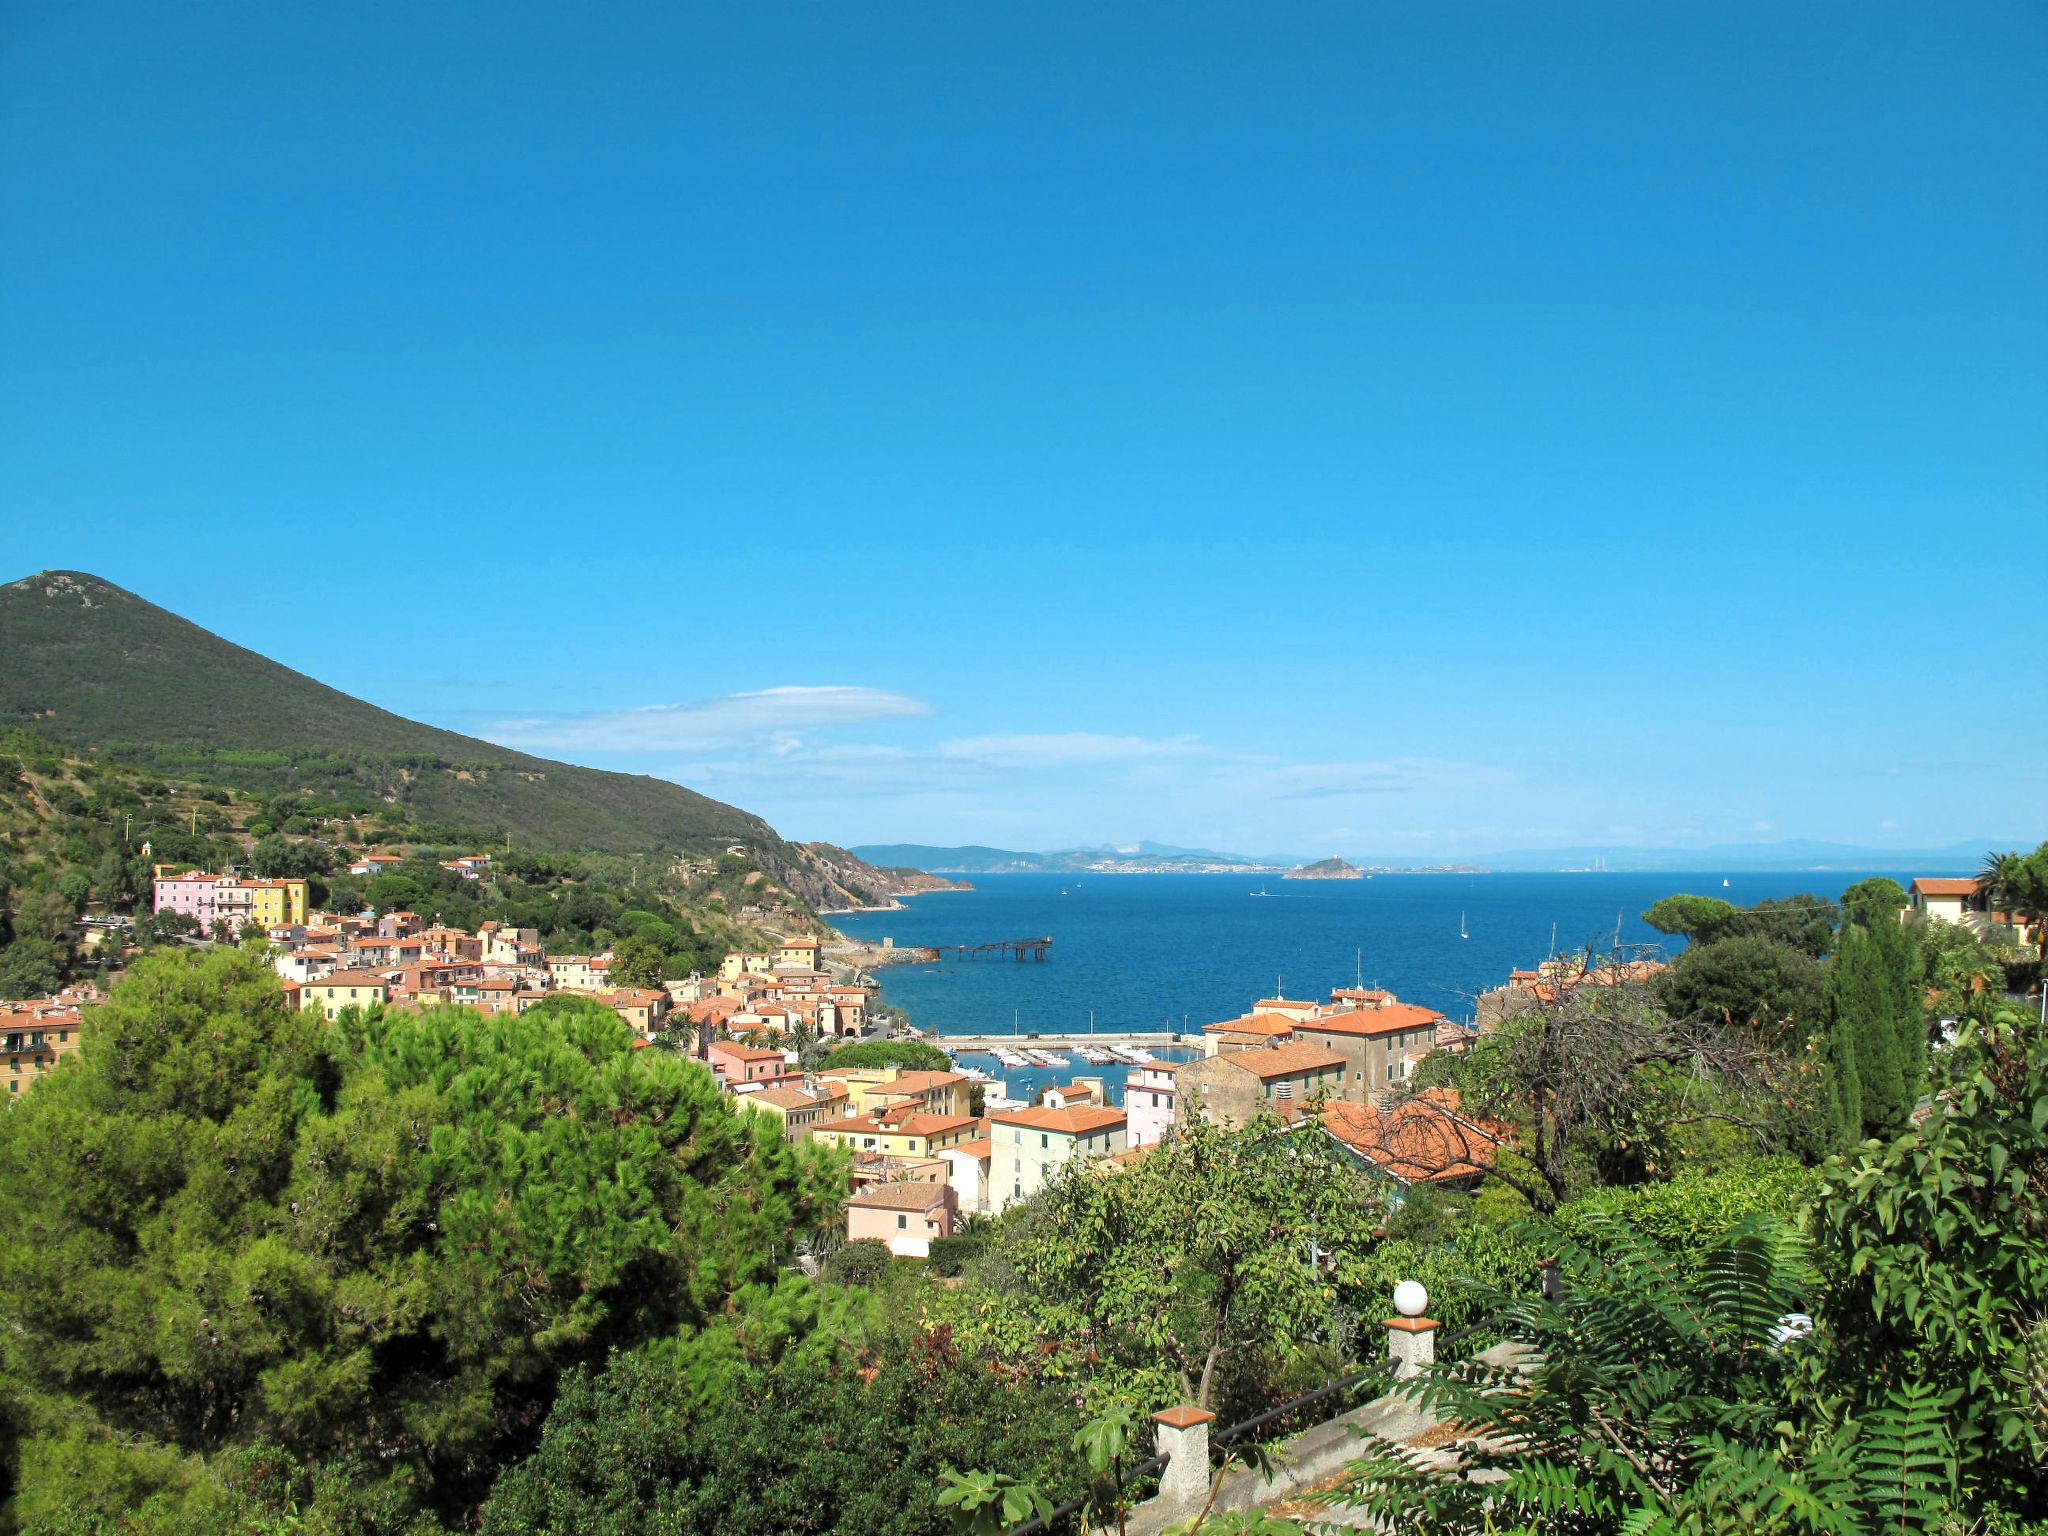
936,1093
799,1112
897,1132
36,1036
738,963
872,1089
802,950
274,903
343,989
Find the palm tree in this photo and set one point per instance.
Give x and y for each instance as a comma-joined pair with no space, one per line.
1998,879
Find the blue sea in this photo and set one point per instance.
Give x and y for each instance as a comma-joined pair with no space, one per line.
1148,952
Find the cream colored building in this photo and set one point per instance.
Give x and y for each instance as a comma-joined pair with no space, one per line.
343,989
1028,1146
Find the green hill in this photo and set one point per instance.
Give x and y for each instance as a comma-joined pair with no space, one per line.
91,665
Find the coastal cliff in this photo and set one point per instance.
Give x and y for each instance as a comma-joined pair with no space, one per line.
860,886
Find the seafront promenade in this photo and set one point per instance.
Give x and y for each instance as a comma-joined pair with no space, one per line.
1059,1041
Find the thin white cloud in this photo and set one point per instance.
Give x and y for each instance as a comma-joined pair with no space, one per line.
772,720
1274,780
1064,749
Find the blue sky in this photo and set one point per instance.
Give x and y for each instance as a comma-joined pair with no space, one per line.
1290,428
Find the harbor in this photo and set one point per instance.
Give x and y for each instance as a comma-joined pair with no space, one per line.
1081,1042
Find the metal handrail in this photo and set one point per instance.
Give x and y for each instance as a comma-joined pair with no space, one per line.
1344,1384
1052,1517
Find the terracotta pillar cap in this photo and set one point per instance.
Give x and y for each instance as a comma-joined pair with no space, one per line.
1183,1417
1414,1324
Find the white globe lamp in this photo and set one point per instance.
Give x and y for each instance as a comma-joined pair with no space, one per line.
1410,1297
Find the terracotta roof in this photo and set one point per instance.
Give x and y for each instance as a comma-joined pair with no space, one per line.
349,979
1271,1061
745,1052
981,1146
1254,1024
785,1098
1938,885
920,1082
1420,1140
1374,1021
903,1195
1073,1090
1077,1121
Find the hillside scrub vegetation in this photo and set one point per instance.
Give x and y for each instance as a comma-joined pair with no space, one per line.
77,827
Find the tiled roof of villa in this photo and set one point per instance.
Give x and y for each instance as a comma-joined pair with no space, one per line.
1425,1139
1391,1019
1271,1061
903,1195
1079,1120
1942,885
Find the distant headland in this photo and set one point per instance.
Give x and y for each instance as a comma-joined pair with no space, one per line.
1326,869
1141,858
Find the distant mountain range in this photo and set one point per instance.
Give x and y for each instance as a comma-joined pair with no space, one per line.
1720,858
1756,858
1128,859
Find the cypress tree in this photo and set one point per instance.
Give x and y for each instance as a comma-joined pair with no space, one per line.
1860,1010
1845,1088
1899,962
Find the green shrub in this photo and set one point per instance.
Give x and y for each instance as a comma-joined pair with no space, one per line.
950,1255
1689,1214
860,1262
912,1055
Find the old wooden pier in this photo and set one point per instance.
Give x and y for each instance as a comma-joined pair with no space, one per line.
1002,949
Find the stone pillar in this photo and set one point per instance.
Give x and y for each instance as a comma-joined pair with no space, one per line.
1182,1437
1411,1344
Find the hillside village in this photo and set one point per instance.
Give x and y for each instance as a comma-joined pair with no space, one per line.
928,1148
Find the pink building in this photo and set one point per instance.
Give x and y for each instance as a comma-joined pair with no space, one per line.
736,1063
1149,1103
906,1215
204,898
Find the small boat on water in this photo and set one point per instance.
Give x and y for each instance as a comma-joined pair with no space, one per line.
1262,891
1010,1058
1461,927
1094,1055
1049,1058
